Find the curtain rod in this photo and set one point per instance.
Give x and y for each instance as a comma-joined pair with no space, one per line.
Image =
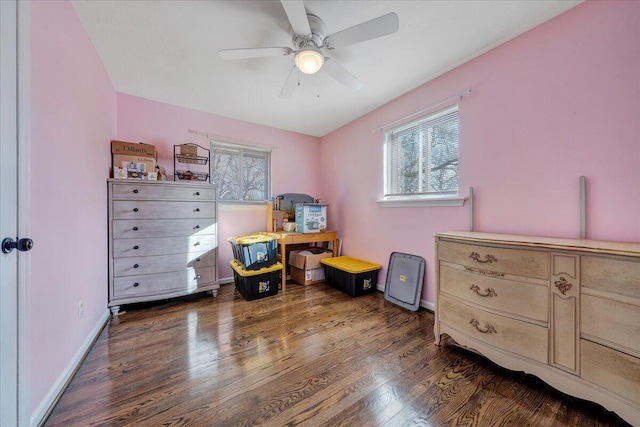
458,96
223,139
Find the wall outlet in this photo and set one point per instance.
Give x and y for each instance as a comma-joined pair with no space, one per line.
80,309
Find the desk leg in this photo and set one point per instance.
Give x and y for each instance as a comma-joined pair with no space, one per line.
283,259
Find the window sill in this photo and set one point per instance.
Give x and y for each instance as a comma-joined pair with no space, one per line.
447,200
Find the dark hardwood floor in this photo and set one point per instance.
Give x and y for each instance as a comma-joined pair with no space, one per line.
309,356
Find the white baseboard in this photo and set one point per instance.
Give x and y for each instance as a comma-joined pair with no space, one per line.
39,416
225,280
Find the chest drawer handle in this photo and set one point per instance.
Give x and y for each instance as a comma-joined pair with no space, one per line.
196,210
196,244
135,209
135,266
197,277
196,227
135,228
135,191
488,329
135,285
197,193
487,259
136,247
489,292
197,259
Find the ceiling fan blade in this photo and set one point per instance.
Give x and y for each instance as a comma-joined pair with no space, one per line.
297,17
341,75
291,84
378,27
258,52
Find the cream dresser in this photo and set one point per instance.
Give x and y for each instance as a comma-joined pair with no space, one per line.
162,240
565,310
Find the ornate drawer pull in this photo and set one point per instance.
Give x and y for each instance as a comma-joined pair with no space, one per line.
563,286
487,259
489,292
489,329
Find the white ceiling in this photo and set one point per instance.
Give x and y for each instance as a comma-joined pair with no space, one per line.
168,51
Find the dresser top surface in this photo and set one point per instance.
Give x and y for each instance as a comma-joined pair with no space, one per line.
583,245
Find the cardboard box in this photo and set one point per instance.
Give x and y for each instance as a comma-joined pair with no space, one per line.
188,150
133,152
311,217
306,268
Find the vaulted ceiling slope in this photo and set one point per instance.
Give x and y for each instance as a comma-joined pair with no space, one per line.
168,51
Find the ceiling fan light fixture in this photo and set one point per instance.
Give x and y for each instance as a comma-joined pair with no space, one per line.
309,60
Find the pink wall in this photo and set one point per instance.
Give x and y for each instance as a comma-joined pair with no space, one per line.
73,112
294,160
556,103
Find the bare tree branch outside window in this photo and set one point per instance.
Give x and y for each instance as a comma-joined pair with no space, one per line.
422,156
241,173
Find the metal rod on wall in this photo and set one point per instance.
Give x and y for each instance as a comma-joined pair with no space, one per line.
458,96
583,207
471,218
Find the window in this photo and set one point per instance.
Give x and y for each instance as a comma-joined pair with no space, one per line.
421,159
242,174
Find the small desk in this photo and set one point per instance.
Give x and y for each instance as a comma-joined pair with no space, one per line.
289,238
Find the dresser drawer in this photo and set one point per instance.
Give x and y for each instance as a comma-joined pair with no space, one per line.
623,329
186,281
515,298
131,228
610,274
505,333
611,369
483,259
162,263
163,245
150,209
156,191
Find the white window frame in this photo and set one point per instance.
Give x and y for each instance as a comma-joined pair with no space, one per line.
421,198
242,151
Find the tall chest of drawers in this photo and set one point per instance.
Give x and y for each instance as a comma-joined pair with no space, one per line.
565,310
162,240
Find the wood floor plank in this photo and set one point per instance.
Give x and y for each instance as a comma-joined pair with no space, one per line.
310,356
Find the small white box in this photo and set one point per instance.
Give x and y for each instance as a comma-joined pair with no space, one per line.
119,173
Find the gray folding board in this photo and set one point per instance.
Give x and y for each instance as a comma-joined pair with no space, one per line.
404,280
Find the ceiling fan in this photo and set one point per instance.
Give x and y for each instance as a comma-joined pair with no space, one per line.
309,39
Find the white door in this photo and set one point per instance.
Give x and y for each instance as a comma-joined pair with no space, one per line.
8,214
14,408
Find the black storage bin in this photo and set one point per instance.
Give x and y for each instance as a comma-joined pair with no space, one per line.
352,276
254,284
255,251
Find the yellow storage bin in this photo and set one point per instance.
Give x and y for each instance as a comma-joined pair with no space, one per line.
255,251
254,284
351,275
